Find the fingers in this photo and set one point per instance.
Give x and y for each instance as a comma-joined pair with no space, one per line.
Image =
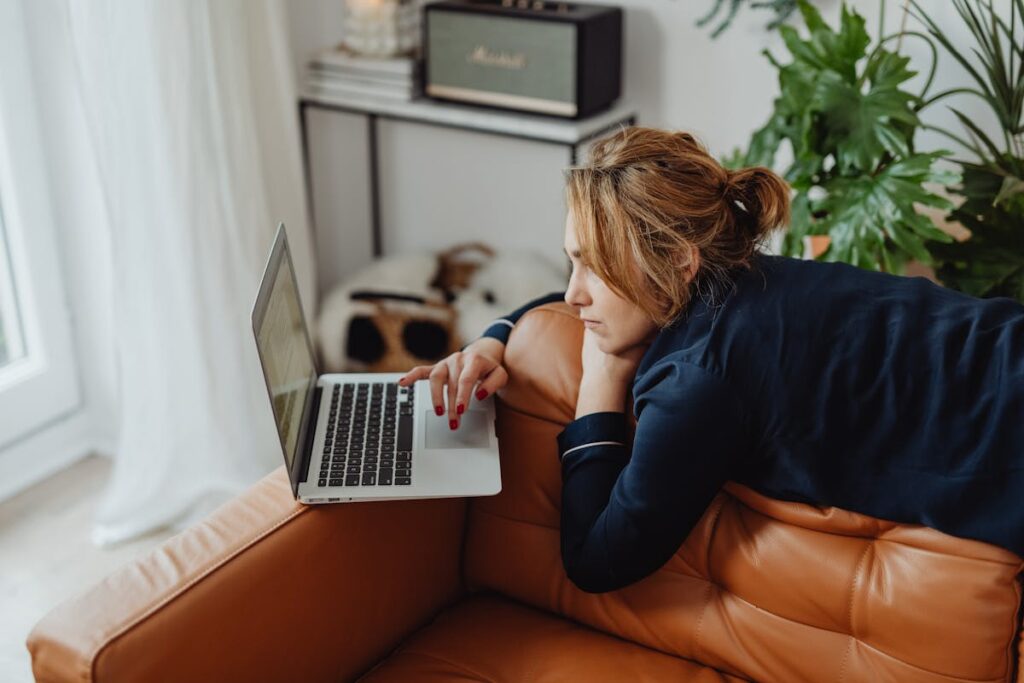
454,370
491,382
472,370
438,377
454,379
417,373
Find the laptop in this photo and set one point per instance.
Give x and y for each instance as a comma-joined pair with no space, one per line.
360,436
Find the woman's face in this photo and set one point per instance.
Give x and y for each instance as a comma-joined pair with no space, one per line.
616,323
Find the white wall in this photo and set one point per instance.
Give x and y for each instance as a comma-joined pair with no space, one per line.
679,77
675,75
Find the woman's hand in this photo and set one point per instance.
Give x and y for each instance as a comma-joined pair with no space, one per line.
616,368
607,377
459,372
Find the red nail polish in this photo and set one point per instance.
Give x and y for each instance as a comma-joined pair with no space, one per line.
459,408
452,424
439,410
481,394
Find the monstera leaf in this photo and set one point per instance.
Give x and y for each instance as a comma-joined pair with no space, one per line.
825,49
991,261
851,127
864,126
867,216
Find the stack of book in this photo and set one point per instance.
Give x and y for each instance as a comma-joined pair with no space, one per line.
341,73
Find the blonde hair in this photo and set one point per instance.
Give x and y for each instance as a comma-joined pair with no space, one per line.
649,199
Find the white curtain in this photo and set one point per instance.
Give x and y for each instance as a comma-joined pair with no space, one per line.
191,112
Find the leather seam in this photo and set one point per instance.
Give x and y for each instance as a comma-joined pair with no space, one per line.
882,537
849,611
519,521
711,584
185,587
866,644
443,660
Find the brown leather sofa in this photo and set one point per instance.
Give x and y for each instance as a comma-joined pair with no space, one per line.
473,589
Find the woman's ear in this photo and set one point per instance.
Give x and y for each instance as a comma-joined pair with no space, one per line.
688,262
694,262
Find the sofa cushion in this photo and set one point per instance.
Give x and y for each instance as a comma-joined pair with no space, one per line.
762,589
488,638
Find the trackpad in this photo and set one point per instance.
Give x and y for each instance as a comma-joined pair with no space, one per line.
471,433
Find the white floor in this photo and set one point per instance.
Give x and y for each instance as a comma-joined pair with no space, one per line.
47,556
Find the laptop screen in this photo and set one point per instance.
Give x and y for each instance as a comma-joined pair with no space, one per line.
284,349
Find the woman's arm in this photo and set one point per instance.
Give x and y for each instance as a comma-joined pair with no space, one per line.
501,328
625,513
480,367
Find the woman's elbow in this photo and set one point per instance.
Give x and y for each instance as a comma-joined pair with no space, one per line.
590,578
592,572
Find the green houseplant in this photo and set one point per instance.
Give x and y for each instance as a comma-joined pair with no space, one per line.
991,261
850,126
780,8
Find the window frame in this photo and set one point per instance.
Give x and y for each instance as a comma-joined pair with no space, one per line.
42,388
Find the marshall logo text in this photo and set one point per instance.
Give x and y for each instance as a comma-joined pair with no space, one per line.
503,60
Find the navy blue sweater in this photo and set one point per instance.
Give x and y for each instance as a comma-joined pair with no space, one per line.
812,382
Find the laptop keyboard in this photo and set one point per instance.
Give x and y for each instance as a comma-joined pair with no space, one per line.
369,436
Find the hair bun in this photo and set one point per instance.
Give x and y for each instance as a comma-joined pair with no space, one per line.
763,195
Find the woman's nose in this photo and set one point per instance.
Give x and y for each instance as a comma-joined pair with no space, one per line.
574,294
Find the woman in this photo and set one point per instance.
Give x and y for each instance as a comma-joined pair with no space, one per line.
807,381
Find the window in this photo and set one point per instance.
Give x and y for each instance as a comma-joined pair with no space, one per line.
38,378
12,343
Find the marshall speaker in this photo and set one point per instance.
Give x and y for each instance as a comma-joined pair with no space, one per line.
557,58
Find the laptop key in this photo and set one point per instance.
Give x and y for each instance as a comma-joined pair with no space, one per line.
403,481
352,480
321,482
405,433
335,482
369,478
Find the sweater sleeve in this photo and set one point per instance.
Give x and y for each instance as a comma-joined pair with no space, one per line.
625,513
501,328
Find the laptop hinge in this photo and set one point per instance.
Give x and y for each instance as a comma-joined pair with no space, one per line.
306,447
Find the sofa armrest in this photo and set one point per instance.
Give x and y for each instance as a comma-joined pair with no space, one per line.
263,589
